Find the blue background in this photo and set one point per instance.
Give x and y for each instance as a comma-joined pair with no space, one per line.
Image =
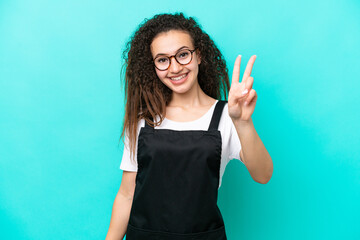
62,107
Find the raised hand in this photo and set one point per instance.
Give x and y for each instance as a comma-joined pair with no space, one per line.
242,98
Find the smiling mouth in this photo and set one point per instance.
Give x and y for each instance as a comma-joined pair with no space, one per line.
179,77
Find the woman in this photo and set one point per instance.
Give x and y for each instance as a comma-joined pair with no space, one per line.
179,136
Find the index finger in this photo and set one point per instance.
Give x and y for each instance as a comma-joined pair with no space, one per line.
249,67
236,70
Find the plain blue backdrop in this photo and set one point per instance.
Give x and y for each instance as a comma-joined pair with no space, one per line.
62,107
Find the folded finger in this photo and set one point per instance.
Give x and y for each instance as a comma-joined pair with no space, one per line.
251,97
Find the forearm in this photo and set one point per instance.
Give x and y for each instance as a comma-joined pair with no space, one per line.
254,154
119,217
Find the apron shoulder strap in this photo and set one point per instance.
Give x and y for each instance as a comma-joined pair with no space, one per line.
217,115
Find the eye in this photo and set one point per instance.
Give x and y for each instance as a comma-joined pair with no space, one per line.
162,60
183,54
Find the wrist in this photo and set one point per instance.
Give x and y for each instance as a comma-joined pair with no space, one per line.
242,123
244,127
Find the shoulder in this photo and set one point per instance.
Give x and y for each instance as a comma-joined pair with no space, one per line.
140,124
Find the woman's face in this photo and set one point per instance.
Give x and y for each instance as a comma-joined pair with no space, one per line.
179,78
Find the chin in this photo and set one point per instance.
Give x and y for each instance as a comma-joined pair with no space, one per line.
180,89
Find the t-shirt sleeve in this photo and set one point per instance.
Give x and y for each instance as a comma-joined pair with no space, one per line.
231,145
127,163
234,145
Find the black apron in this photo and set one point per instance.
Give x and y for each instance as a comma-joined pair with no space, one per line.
177,184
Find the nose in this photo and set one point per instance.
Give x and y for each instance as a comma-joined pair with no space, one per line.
175,67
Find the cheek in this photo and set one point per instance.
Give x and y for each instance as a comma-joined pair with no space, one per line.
161,74
194,67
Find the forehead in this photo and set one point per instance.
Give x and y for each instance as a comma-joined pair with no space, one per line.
169,42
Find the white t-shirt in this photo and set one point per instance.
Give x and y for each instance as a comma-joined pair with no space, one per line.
230,141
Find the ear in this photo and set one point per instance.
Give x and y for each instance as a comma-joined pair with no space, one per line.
198,56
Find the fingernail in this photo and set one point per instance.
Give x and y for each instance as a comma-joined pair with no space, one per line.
245,92
246,103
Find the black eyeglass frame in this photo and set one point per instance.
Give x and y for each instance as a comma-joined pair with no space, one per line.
174,56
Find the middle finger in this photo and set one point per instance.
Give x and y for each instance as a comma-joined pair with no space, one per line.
249,67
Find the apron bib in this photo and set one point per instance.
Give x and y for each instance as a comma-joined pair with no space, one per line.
177,184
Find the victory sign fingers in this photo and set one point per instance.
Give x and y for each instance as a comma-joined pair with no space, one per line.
242,98
246,83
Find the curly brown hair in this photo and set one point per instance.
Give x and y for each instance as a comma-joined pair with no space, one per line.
146,96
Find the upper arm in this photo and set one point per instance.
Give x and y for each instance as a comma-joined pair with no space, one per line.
127,187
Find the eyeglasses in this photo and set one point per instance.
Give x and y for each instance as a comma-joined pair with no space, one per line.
183,57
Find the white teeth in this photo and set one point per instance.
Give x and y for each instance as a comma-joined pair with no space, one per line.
179,78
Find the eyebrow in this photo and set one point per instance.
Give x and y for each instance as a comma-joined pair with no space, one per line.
168,54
